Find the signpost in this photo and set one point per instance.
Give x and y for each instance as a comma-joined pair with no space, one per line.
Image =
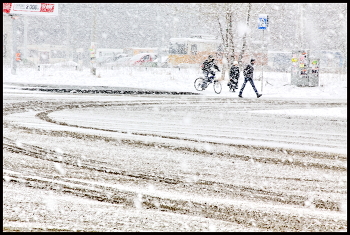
35,9
263,23
93,58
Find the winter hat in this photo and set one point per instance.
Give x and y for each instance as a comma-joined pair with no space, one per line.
235,62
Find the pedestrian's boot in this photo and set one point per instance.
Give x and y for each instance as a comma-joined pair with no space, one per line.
258,95
240,95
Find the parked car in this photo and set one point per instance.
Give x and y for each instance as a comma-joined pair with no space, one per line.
118,60
118,56
162,61
143,59
108,60
67,64
122,61
104,59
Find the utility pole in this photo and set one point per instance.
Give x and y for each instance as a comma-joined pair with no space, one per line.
14,44
25,48
69,47
93,42
158,37
301,25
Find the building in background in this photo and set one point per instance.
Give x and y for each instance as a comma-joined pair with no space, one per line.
131,51
193,50
46,54
7,39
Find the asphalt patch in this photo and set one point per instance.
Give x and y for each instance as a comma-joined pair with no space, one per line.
95,89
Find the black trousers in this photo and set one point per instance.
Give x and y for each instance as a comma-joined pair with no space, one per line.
207,73
245,82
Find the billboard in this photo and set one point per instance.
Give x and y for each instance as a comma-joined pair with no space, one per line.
39,9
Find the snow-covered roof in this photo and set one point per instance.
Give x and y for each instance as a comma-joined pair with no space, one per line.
184,40
203,36
110,49
140,55
144,48
289,52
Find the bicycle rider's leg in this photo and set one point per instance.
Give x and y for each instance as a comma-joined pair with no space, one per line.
205,78
212,76
205,74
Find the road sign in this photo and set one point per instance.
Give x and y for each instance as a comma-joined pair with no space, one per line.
18,56
42,9
92,50
263,21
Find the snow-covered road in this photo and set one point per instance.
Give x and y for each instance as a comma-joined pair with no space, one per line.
173,163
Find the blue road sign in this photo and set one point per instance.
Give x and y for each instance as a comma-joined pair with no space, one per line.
263,21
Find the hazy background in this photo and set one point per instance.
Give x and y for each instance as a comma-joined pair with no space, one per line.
119,25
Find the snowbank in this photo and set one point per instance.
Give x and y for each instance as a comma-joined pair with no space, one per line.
275,84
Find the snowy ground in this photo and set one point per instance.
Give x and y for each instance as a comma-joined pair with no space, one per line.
332,86
208,162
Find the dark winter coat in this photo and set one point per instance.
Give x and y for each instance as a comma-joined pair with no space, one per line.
234,72
208,65
248,71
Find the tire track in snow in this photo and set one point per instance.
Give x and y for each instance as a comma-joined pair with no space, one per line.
198,127
244,191
276,220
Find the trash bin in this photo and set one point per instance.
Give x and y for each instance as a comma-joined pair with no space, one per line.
300,68
314,69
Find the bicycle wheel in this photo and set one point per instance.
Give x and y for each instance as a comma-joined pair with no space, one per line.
198,84
217,87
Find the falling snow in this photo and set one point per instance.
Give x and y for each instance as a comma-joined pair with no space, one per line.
139,149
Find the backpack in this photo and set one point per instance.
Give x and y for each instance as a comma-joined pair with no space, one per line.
205,65
245,71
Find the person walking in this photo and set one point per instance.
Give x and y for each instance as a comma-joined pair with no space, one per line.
248,76
234,76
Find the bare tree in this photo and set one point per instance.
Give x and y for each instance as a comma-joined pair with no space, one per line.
244,44
228,16
226,29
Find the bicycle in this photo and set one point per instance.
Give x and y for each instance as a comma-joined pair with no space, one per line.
201,84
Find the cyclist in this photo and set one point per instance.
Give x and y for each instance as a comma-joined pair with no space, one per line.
208,67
